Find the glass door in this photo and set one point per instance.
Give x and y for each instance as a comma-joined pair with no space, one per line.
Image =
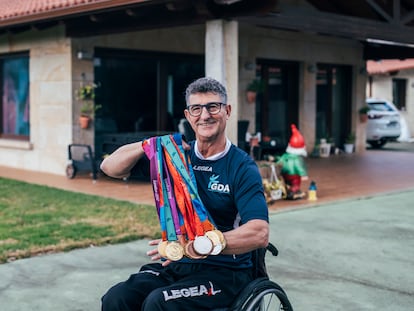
333,107
140,93
277,106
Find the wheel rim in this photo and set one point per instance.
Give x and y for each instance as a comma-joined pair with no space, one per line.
269,300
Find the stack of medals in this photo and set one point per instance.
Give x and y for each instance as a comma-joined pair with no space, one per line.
187,229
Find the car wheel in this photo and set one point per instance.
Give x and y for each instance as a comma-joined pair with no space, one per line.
376,144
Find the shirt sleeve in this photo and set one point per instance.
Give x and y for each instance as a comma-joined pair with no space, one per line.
249,195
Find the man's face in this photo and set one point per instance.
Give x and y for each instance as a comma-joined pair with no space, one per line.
208,125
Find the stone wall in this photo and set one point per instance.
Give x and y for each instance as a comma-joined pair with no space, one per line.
50,101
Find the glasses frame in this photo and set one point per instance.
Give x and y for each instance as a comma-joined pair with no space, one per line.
207,106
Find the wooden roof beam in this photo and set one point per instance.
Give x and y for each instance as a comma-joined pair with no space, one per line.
409,17
379,10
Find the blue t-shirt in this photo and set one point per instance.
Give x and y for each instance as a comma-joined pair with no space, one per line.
231,189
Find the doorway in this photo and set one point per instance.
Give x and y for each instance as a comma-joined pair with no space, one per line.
333,103
140,92
277,107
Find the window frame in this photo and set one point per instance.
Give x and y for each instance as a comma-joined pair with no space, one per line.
8,56
399,93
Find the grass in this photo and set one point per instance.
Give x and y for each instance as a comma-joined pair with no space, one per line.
38,219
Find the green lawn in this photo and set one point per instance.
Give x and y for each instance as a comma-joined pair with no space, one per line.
38,219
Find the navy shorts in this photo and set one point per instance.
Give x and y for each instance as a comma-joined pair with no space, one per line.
179,286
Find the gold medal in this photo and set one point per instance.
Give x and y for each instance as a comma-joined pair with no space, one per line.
215,238
161,248
191,253
221,237
174,251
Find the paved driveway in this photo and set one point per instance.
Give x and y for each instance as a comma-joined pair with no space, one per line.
350,255
396,146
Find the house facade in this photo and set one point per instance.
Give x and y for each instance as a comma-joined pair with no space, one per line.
140,55
393,80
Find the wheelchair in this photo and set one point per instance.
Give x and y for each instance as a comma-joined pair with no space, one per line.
261,294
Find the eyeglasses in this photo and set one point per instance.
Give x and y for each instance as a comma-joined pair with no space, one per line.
197,110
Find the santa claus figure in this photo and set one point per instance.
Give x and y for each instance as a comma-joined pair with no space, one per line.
293,167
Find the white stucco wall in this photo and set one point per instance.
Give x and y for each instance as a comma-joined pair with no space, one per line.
381,87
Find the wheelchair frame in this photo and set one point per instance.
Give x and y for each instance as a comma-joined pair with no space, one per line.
254,296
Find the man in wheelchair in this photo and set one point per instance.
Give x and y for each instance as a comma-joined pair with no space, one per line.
230,187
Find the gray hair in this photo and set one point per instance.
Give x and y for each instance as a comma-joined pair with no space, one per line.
206,85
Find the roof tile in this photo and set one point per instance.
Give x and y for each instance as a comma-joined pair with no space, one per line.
15,8
388,65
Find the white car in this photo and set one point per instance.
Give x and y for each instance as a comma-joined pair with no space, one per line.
384,122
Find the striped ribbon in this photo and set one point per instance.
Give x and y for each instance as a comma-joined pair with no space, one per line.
181,213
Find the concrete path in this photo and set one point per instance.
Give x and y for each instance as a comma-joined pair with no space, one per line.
348,255
351,255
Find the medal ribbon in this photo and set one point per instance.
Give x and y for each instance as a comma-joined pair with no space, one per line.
176,216
170,225
164,200
180,209
181,163
150,149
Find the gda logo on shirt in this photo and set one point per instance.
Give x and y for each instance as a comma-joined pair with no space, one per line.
216,186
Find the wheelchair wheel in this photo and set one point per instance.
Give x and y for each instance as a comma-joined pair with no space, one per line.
71,171
266,296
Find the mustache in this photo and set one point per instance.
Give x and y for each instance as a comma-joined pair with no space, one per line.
206,122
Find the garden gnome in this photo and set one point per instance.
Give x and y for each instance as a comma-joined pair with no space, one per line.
293,167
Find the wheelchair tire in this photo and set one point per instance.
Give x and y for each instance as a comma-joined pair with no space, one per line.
265,295
71,171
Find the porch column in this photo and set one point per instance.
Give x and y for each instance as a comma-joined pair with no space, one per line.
307,105
222,54
360,81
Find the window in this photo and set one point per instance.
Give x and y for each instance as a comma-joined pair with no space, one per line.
399,87
14,100
143,91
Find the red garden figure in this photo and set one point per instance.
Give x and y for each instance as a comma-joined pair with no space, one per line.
293,165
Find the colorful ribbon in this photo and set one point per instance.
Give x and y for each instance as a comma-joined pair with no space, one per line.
181,213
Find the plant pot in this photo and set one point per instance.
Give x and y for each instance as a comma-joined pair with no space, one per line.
324,150
349,148
363,117
251,97
84,122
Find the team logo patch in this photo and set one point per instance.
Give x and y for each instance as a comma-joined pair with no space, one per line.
216,186
194,291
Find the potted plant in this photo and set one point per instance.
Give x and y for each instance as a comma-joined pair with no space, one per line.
253,88
349,143
86,114
86,95
363,113
324,148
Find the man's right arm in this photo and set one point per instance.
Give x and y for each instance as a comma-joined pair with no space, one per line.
120,163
